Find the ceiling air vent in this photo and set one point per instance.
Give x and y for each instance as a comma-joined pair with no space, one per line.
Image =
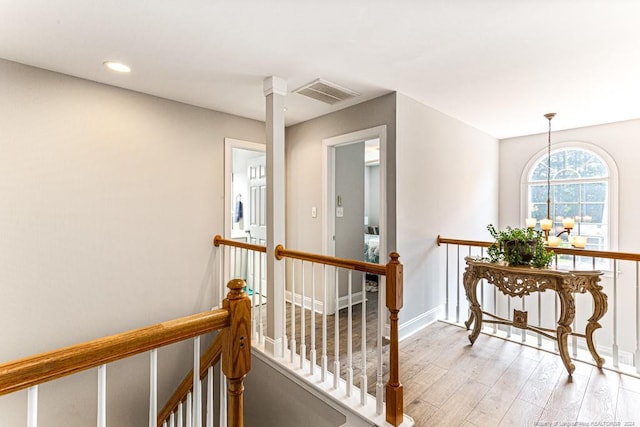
327,92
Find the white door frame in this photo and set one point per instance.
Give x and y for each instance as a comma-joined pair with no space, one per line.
328,184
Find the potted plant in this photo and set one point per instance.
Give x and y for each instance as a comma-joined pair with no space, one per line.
518,246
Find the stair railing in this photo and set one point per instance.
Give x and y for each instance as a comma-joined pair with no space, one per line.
618,340
308,277
232,320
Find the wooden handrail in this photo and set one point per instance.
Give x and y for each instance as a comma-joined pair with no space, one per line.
443,240
29,371
210,357
349,264
626,256
219,240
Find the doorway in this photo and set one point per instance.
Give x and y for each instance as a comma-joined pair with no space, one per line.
245,211
353,202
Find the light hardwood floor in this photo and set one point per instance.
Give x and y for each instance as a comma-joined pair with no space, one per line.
499,383
448,382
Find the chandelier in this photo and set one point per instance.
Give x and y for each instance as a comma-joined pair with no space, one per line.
547,224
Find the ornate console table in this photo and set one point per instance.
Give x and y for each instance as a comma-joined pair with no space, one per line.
521,281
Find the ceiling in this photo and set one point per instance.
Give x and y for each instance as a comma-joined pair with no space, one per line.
497,65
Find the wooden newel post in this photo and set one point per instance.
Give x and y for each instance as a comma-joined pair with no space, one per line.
395,407
236,349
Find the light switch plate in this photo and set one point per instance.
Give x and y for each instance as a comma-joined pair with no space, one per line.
314,212
339,212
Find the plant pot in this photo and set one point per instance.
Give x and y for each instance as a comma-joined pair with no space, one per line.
519,252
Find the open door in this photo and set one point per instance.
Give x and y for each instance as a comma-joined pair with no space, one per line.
348,210
245,212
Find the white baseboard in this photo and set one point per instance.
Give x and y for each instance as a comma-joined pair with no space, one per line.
318,305
414,325
273,347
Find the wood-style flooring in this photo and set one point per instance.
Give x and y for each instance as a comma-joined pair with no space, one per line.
500,383
448,382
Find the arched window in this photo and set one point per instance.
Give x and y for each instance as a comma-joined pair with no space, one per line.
583,185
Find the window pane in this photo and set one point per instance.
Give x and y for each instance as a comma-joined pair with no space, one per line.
565,192
538,194
593,213
594,192
540,171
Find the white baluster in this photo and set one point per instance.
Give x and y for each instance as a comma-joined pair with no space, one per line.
495,307
32,406
539,317
350,333
223,395
219,285
446,280
153,388
312,353
363,343
574,339
523,331
616,361
285,340
636,359
180,415
292,346
303,344
482,282
102,396
172,420
210,396
555,308
197,395
323,357
188,410
261,271
252,286
336,335
458,285
382,310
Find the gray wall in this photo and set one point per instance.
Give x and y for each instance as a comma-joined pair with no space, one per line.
447,184
304,167
273,400
108,203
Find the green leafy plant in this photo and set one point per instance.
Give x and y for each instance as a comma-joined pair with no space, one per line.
518,246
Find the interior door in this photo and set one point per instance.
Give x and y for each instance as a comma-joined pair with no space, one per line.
257,234
258,200
349,210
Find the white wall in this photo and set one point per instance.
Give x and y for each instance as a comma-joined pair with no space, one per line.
621,140
447,184
108,203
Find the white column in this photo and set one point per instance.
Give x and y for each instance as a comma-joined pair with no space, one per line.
275,90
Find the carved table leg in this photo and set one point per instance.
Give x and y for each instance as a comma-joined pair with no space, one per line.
567,313
599,310
475,312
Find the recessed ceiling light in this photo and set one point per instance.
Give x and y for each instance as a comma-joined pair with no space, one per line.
117,66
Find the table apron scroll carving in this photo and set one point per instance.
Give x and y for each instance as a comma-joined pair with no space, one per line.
522,281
